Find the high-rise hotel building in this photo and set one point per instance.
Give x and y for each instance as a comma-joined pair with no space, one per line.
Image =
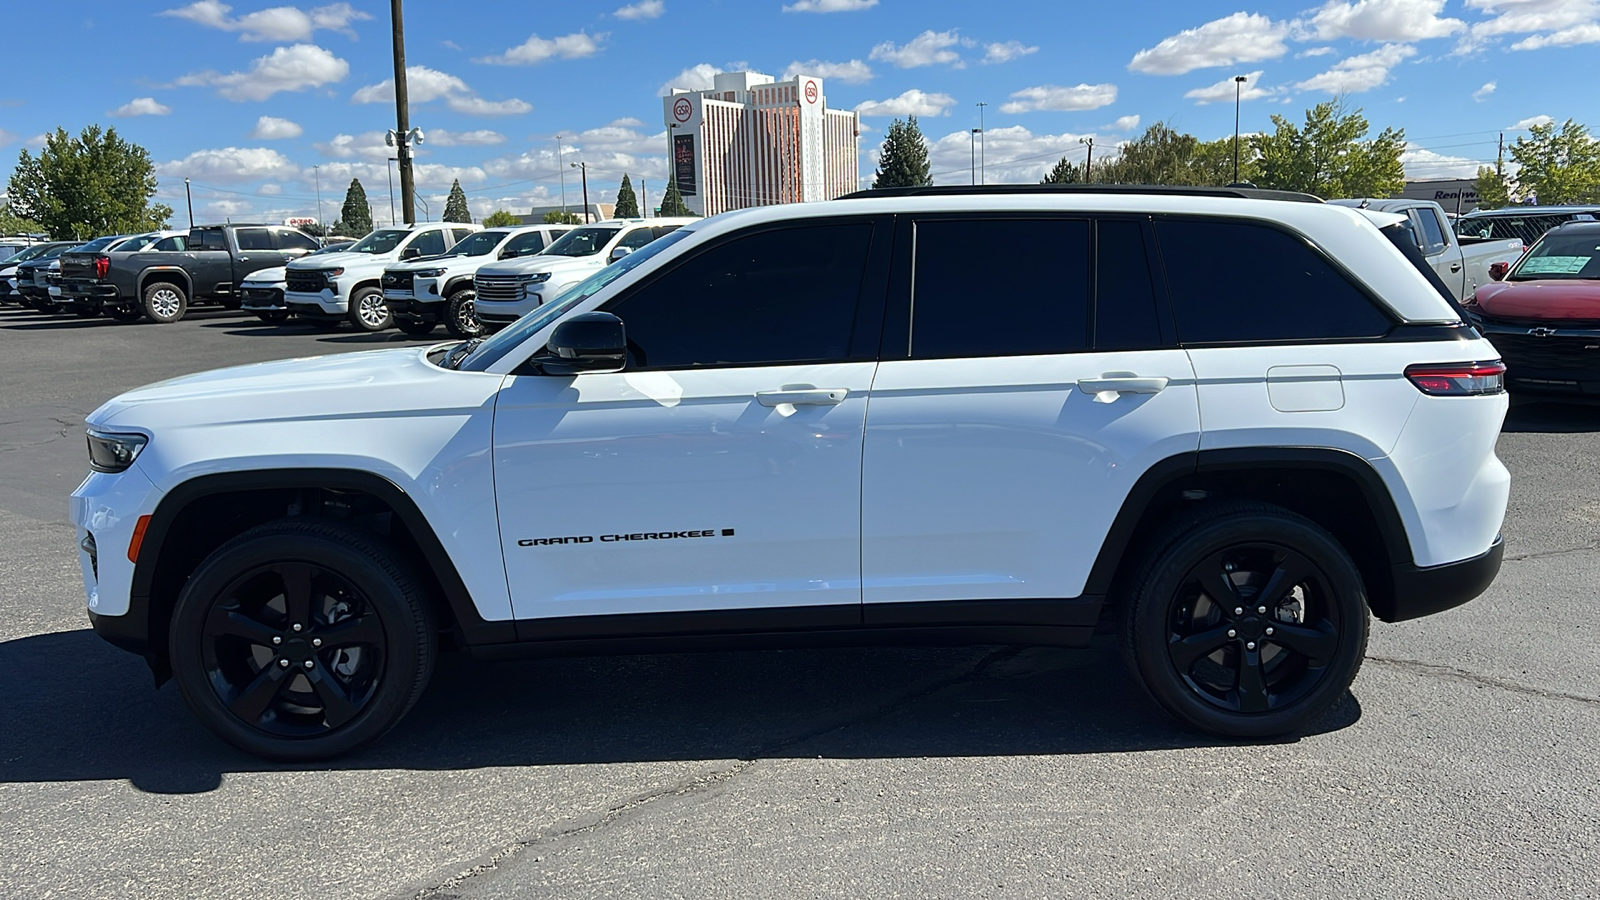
753,141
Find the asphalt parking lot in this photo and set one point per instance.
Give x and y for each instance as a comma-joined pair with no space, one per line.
1463,764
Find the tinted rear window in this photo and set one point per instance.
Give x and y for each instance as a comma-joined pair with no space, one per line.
1238,281
1125,297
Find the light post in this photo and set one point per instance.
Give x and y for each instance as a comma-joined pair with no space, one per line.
583,167
1238,86
983,148
190,198
972,147
317,174
1088,161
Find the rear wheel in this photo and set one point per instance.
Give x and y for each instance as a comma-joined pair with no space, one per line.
301,639
165,302
369,311
1247,620
460,315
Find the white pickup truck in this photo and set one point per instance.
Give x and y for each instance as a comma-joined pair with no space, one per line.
1461,267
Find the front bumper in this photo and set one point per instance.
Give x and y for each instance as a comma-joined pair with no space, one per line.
254,299
1422,591
1548,358
324,304
413,308
502,312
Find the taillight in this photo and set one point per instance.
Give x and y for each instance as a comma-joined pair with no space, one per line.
1459,379
102,265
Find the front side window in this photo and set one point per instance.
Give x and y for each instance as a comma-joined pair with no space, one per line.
428,243
782,296
637,238
582,242
525,244
384,240
253,239
1282,289
481,243
1034,302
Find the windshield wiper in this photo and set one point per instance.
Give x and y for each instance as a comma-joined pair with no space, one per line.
457,356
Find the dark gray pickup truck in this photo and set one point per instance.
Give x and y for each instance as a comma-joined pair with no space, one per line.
160,284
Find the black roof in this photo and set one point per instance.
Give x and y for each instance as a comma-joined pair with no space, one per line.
954,190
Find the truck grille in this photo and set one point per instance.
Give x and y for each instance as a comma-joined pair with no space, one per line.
1528,352
306,282
398,281
498,288
52,278
272,296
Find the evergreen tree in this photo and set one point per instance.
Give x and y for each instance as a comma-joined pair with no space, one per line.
501,218
455,208
356,216
1065,172
627,201
93,184
903,158
672,203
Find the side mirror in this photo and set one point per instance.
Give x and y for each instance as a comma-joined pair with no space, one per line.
1498,270
620,252
509,254
410,253
589,342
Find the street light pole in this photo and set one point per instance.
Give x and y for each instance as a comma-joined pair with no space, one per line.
316,173
972,149
190,198
561,169
1238,85
983,148
583,168
402,116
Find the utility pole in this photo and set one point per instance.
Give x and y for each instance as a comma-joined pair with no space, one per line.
1088,161
583,168
402,114
972,150
561,169
983,148
1238,84
1499,159
644,200
316,173
189,197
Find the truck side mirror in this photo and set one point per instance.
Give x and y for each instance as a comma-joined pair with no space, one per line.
410,253
1498,270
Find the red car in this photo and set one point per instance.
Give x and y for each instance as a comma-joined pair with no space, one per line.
1543,313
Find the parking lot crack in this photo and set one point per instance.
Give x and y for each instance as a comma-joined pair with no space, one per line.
1438,671
1543,554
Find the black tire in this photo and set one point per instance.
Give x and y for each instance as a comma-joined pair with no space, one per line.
1217,666
273,316
416,327
341,679
125,313
164,302
229,302
460,319
85,312
368,310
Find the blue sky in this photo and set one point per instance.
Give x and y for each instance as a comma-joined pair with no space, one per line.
246,98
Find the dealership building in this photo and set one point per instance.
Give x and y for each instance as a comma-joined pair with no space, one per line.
754,141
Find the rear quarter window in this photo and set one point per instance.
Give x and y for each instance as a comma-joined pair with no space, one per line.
1242,282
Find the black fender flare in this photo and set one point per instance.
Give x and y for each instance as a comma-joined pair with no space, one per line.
153,272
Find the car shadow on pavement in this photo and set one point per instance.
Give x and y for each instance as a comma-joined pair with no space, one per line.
81,710
328,335
1551,417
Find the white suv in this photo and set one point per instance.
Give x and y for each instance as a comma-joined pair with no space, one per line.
334,287
506,291
422,293
680,453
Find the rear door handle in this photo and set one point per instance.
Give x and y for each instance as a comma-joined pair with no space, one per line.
802,397
1455,267
1122,383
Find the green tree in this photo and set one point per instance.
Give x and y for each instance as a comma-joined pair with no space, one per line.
672,201
1065,172
11,223
1493,191
1213,162
455,208
1331,156
903,158
93,184
1558,166
501,218
1159,156
562,217
627,200
355,216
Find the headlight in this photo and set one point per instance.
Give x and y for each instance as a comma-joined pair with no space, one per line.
114,452
428,273
535,278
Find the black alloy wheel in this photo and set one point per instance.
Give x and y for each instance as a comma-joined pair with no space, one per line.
301,639
1246,620
460,315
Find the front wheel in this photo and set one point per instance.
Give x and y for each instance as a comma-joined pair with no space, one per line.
301,639
368,310
273,316
165,302
1246,621
460,315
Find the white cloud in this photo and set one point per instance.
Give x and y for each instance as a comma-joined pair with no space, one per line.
1420,163
1587,33
695,78
1241,37
910,103
926,49
1551,22
231,165
142,106
424,85
1315,51
1124,124
7,137
1053,97
270,190
1355,74
367,145
1223,91
272,128
1013,154
1481,93
644,9
483,137
853,72
294,68
279,23
1006,52
36,142
1390,21
224,209
829,6
536,50
1531,121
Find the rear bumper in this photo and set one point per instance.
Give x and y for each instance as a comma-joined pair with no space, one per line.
89,293
1420,591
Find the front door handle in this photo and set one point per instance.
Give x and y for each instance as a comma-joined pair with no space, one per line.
1123,383
802,397
1455,267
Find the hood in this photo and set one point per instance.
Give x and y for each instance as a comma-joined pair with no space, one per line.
430,262
524,265
274,275
1553,298
335,260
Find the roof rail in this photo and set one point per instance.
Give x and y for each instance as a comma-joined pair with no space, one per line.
956,190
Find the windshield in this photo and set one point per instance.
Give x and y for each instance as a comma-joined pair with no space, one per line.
1527,227
137,242
1566,256
494,348
99,243
481,243
381,241
582,242
33,252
